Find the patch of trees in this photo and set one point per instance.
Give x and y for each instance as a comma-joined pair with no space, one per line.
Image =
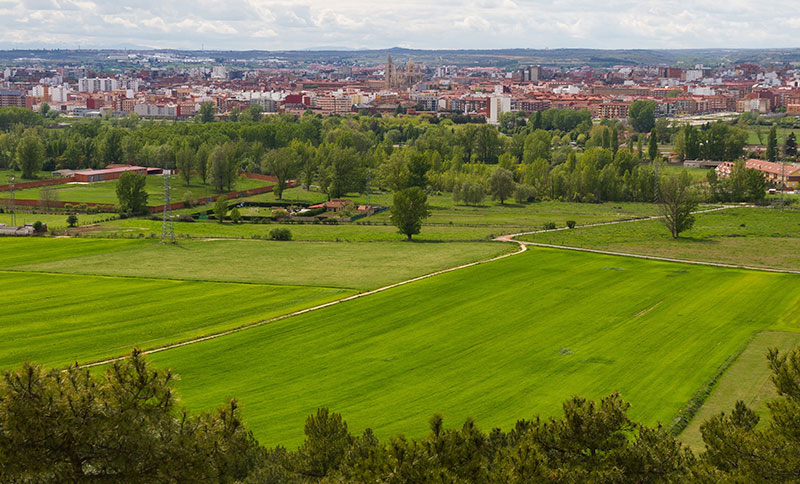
742,185
126,426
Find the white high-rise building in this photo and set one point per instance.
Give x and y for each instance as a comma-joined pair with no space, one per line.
497,106
93,84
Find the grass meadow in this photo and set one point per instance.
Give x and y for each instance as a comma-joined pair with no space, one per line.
498,342
55,221
761,237
358,265
747,379
57,319
448,222
105,192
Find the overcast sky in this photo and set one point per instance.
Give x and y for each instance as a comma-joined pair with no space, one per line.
424,24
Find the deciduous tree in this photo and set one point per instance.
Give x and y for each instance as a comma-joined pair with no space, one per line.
131,193
409,209
678,199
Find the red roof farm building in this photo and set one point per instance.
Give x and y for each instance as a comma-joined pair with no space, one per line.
88,176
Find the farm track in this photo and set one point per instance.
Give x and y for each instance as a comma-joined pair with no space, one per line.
523,246
511,238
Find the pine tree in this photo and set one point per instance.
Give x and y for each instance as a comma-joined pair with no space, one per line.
772,144
652,148
790,146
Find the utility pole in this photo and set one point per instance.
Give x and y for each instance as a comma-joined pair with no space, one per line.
167,229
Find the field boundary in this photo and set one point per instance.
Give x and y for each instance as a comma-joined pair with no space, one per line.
522,248
511,238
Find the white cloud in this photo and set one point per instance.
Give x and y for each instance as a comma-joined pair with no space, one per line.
243,24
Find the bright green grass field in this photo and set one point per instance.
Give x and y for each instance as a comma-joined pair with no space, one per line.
105,192
760,237
358,265
29,250
56,319
748,380
499,341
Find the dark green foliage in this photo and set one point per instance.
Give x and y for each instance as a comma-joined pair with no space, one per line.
641,115
30,156
207,111
409,209
790,146
38,226
72,220
280,233
737,450
652,147
772,144
501,184
73,426
743,184
571,224
131,194
549,225
221,208
283,164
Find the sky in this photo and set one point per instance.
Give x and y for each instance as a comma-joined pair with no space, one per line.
419,24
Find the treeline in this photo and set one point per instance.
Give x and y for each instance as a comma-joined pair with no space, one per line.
554,154
125,426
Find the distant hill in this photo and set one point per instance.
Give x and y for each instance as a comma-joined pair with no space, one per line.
503,58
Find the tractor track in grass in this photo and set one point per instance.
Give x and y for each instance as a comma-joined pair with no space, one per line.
522,248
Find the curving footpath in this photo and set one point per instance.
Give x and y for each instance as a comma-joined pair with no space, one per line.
523,246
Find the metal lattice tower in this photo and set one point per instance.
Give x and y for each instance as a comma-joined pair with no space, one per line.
167,230
13,203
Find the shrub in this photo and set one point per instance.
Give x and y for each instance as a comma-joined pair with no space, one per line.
38,226
72,220
235,215
571,224
185,217
280,233
279,214
549,225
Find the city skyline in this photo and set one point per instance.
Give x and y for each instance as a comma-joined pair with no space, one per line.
313,24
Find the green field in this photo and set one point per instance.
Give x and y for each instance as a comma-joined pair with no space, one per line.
499,341
448,222
56,319
752,136
30,250
55,221
761,237
748,380
105,192
351,265
5,176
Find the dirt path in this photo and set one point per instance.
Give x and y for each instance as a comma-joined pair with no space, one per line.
522,248
511,238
